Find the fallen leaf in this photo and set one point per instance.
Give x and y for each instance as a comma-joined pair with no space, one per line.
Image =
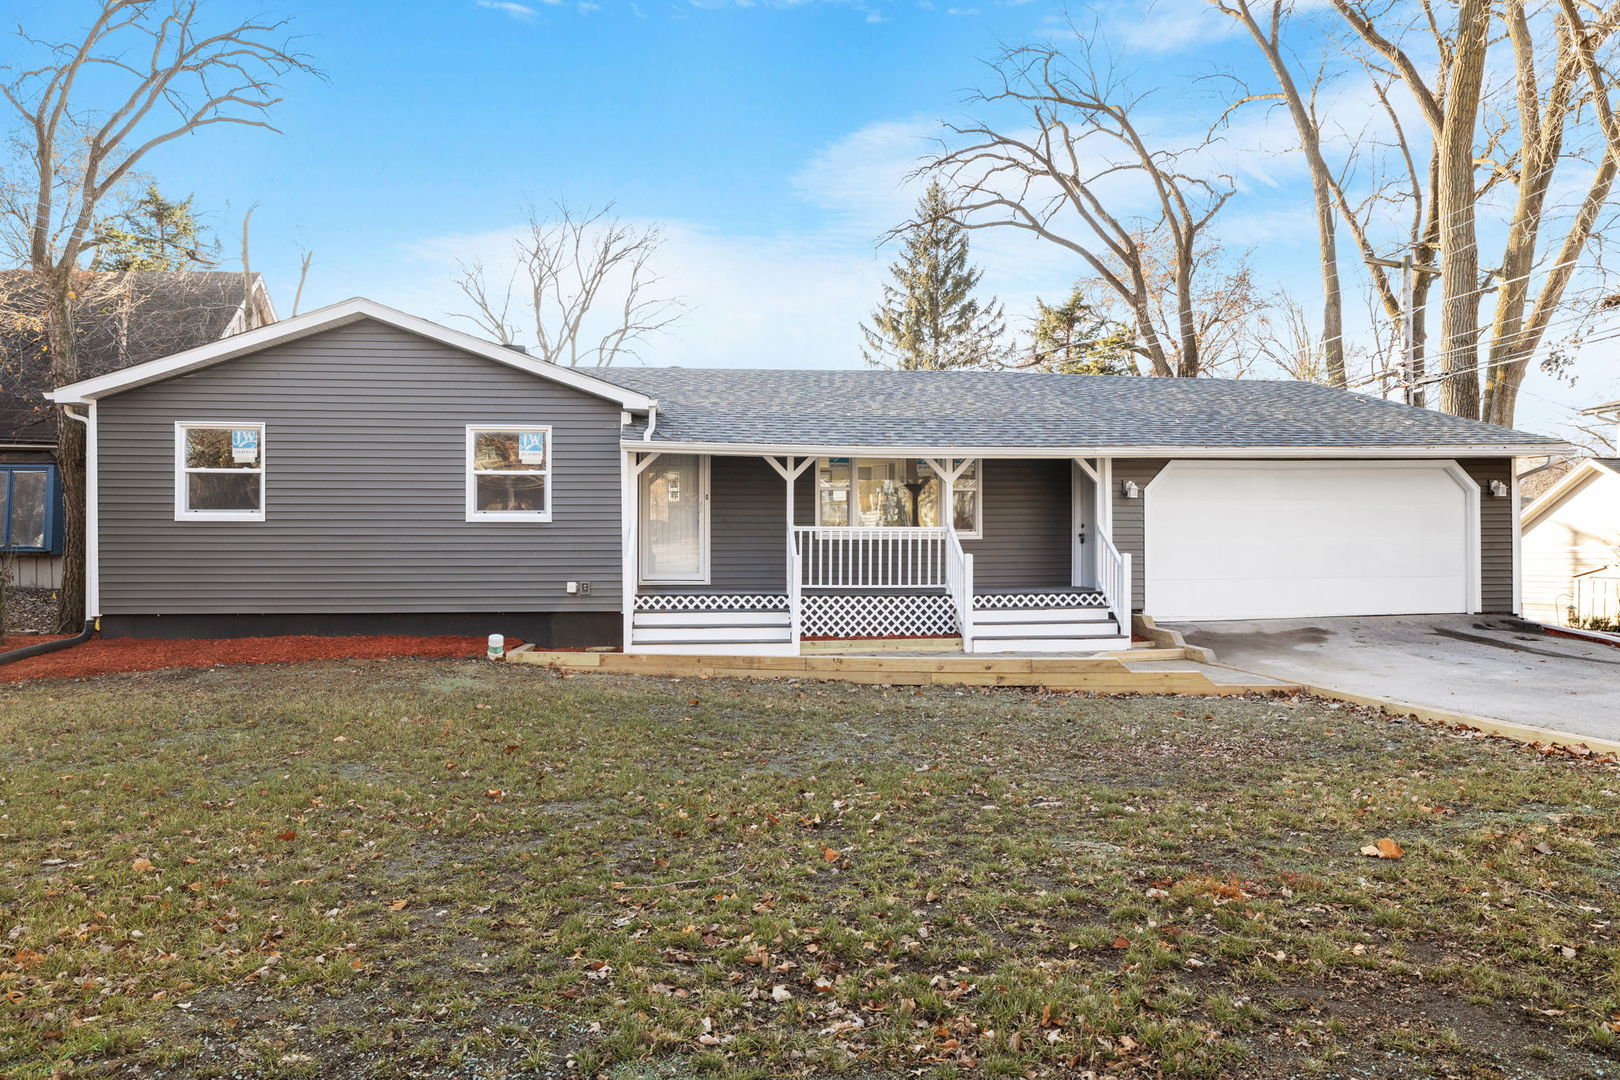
143,864
1383,849
288,835
781,993
398,905
830,854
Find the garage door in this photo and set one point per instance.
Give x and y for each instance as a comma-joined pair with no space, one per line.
1246,540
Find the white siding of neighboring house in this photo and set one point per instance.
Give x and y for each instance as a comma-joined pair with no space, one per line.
1580,532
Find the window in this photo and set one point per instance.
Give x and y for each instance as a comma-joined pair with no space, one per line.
893,492
219,472
508,474
30,509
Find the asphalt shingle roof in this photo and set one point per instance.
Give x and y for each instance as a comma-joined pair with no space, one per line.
879,408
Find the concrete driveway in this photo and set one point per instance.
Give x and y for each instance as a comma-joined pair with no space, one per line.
1485,665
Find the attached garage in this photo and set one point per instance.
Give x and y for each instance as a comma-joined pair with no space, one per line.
1297,539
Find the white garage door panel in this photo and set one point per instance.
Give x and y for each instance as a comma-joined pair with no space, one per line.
1248,541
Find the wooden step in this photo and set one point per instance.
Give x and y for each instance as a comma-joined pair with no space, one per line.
1035,615
709,618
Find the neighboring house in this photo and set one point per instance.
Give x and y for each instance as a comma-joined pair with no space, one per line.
357,469
132,319
1572,547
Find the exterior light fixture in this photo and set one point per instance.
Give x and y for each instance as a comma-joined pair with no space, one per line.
1131,490
1499,489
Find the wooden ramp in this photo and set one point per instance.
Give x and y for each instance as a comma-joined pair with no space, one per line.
1099,674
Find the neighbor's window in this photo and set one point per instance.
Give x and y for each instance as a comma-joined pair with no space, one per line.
219,472
509,473
30,509
893,492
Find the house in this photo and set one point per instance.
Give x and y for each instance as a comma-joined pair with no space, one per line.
357,469
125,319
1572,548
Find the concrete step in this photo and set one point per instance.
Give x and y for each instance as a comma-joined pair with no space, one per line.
1038,615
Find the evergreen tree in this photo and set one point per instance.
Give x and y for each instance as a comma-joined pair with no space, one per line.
1075,339
929,318
152,233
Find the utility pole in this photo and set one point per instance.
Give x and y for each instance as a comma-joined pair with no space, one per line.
1409,362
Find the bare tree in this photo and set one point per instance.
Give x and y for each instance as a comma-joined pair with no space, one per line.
586,282
1266,32
1069,177
1516,132
90,110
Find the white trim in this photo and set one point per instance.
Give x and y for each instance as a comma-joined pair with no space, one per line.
1471,526
182,490
1576,477
341,313
1233,453
472,475
704,526
629,490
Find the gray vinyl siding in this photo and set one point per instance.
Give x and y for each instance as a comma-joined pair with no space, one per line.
1495,533
1025,540
365,487
1130,535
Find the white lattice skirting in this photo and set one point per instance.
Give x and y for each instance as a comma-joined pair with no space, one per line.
992,601
912,615
701,602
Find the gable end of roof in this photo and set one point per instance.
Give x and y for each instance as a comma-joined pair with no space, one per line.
331,317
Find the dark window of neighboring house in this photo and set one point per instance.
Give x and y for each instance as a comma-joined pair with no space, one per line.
30,509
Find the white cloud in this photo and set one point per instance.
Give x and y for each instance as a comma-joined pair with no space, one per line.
508,7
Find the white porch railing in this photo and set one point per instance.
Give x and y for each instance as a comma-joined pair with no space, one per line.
860,557
959,583
1114,578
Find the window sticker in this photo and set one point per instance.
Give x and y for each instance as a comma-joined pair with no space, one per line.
531,448
245,445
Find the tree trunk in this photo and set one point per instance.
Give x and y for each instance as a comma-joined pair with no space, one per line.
1459,255
70,450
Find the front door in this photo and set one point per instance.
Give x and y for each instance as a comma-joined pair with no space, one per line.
675,520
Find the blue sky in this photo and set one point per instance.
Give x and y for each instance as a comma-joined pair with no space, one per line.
770,140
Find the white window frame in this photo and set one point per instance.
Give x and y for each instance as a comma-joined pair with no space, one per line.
975,533
475,514
182,491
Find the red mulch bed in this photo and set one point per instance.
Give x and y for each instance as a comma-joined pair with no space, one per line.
102,657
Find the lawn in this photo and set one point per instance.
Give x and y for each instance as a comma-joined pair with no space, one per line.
453,868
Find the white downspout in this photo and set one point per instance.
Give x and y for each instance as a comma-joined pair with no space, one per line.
92,516
652,422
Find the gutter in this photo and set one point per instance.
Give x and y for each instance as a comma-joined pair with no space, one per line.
1238,453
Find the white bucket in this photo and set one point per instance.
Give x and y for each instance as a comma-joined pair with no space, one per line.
497,646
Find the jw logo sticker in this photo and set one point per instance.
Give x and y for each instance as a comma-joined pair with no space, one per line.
245,446
531,448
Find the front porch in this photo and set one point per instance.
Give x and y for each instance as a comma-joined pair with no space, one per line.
759,555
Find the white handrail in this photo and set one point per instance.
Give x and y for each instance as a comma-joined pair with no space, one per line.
959,582
871,557
1114,578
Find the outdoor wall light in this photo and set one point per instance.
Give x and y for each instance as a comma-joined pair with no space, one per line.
1499,488
1131,490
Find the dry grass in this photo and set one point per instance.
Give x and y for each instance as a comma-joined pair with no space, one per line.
442,868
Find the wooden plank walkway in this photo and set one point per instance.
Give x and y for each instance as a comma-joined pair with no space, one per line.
1098,674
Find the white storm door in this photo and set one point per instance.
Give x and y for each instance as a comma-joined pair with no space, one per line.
675,520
